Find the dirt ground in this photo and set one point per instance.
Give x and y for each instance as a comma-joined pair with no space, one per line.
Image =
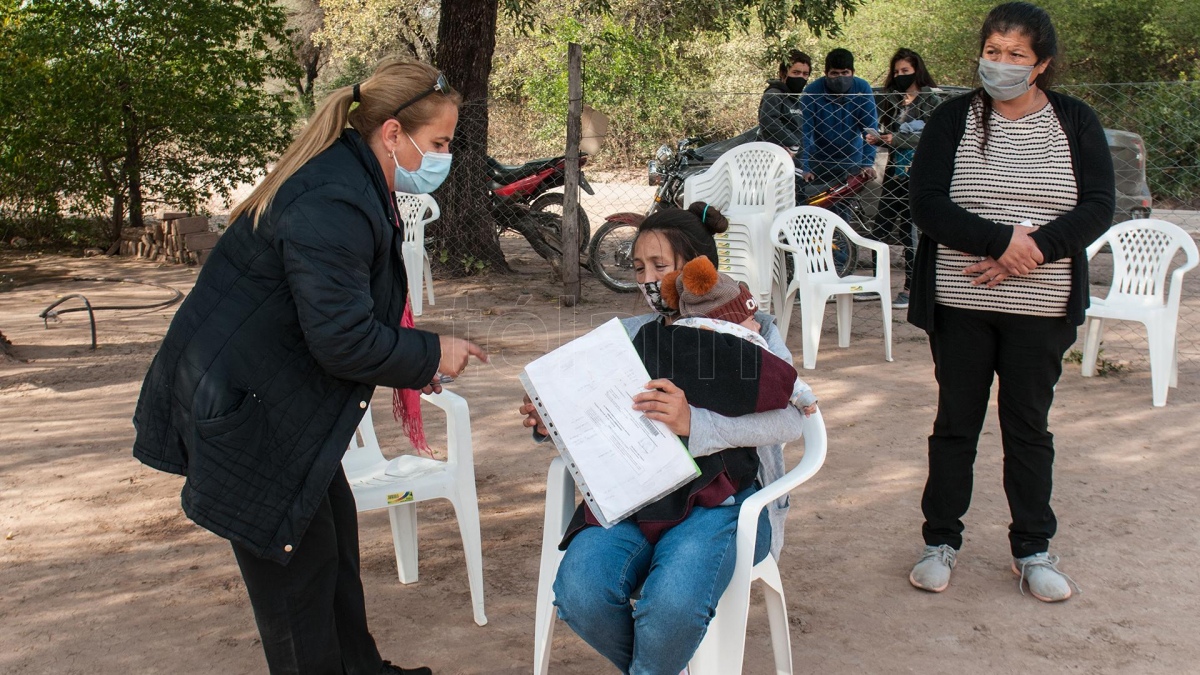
102,573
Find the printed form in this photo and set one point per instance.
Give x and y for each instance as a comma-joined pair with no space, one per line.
585,390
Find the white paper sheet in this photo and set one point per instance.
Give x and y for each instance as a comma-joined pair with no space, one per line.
621,459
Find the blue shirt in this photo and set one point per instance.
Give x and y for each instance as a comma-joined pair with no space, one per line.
834,124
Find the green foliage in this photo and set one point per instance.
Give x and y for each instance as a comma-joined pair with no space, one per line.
1165,115
1099,40
368,30
104,101
1104,367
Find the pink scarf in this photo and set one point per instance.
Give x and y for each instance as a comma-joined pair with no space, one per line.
406,403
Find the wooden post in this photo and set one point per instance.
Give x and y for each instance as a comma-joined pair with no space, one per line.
570,220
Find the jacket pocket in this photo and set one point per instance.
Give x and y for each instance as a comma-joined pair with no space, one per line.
245,411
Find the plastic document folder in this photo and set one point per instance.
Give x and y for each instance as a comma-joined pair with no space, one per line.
621,460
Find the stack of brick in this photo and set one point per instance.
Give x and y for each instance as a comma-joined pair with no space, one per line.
178,238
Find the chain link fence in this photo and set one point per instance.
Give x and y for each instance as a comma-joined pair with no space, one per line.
1153,132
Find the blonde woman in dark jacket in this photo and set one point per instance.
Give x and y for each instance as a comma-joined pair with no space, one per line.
267,367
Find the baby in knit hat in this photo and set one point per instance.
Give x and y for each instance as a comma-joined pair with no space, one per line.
712,300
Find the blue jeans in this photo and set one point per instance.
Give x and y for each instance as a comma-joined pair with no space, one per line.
681,577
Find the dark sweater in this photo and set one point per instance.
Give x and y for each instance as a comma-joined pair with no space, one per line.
271,360
718,372
780,120
941,221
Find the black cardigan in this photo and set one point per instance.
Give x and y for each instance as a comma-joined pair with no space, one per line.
942,221
271,360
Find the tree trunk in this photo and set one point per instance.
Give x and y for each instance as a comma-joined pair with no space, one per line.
116,187
133,167
466,42
118,215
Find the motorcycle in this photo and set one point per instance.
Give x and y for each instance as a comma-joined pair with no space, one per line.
522,201
610,254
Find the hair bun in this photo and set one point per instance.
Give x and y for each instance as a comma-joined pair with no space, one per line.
710,217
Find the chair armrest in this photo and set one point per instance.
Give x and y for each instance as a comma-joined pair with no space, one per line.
560,502
815,449
877,246
1095,246
458,425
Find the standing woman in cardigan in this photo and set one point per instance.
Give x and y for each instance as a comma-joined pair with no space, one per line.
1009,185
268,366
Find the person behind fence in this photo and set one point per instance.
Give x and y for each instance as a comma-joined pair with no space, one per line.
271,361
837,109
683,574
904,107
780,119
1009,185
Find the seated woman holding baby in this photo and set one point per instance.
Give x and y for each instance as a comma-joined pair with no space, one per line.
734,404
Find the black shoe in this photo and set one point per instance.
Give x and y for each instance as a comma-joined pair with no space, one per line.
389,669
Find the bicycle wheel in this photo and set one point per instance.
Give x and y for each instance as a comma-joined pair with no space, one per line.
611,256
552,202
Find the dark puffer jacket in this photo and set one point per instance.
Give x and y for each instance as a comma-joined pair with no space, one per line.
270,361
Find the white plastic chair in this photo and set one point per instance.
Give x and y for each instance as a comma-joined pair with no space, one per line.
1142,251
398,484
417,211
751,184
805,234
722,650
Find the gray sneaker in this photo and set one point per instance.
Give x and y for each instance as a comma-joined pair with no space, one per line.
1046,582
932,571
901,301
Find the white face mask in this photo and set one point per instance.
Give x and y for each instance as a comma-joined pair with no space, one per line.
435,166
1004,81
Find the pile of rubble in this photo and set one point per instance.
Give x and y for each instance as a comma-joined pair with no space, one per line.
178,238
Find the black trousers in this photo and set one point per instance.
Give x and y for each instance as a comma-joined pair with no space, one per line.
1025,352
311,613
893,222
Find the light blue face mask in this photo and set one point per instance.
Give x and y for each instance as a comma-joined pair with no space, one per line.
435,166
1004,81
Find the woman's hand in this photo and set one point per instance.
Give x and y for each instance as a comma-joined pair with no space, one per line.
532,417
1022,255
886,138
988,272
455,352
666,403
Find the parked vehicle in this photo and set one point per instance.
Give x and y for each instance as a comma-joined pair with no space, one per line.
522,201
610,255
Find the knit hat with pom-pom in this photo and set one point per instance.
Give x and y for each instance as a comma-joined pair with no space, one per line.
701,291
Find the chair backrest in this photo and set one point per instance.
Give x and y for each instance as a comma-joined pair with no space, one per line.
807,233
753,177
364,452
762,176
1142,251
416,211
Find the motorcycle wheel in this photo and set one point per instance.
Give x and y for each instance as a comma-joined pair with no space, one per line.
611,256
845,254
552,202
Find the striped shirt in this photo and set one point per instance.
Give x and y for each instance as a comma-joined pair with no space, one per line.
1024,174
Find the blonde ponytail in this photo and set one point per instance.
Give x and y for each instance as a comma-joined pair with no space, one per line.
393,83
